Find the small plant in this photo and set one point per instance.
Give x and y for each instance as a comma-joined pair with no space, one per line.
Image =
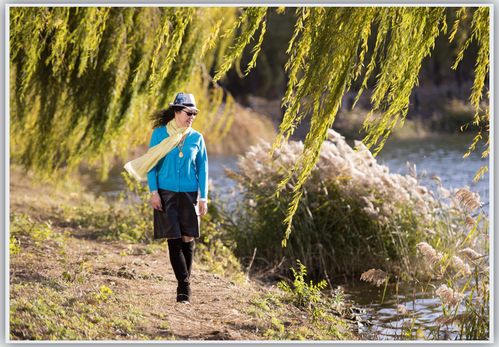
303,294
164,325
103,294
14,245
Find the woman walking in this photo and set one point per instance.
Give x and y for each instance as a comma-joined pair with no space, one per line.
176,168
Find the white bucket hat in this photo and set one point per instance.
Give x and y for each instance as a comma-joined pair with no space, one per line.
185,100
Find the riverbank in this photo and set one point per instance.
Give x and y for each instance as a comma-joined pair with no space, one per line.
69,282
248,128
446,119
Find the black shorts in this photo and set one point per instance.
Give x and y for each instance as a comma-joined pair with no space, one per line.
179,216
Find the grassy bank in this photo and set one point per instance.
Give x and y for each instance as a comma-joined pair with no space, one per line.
86,268
354,213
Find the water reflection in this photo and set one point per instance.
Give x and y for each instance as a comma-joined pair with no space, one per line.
388,324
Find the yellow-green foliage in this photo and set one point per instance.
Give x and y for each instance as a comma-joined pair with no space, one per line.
250,19
108,68
480,25
329,53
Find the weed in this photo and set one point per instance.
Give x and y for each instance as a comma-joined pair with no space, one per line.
318,314
103,294
164,325
303,294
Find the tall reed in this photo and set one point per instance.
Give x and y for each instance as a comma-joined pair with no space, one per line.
456,270
462,272
354,213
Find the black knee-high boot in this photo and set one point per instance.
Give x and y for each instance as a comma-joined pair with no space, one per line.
179,266
188,250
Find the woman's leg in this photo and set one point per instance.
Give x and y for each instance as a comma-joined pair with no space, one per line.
189,227
179,265
188,250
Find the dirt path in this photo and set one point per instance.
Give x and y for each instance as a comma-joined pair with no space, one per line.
69,285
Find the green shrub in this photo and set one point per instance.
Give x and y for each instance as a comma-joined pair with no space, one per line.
353,212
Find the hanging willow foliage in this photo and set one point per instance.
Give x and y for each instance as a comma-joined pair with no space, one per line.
327,53
84,80
480,26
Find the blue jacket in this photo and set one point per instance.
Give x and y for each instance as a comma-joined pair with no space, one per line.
185,174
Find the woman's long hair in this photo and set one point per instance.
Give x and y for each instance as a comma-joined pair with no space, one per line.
162,117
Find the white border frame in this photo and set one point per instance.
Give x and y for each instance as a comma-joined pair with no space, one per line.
7,7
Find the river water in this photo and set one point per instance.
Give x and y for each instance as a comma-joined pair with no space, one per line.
441,156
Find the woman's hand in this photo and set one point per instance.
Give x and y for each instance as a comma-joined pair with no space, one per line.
156,201
203,208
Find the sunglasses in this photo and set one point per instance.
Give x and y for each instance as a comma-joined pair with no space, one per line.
190,114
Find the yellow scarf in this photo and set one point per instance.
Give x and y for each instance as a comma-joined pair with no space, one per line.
139,167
